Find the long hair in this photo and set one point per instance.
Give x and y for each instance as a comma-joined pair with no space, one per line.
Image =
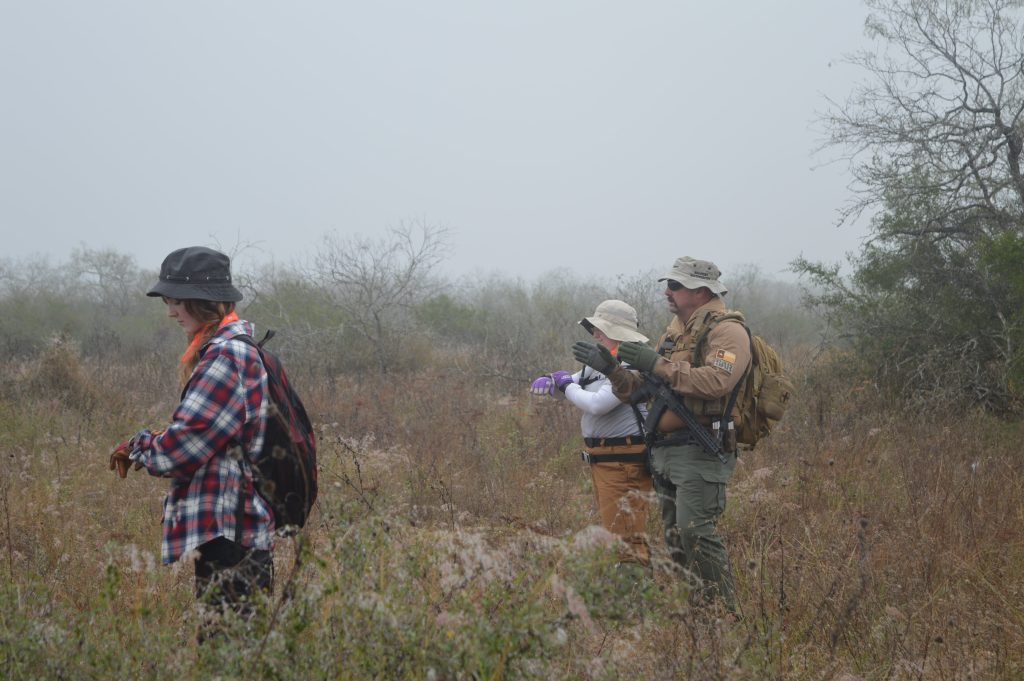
209,314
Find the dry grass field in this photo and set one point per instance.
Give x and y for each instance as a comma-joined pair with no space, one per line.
453,540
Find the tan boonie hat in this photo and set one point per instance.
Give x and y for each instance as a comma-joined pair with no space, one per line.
695,274
617,320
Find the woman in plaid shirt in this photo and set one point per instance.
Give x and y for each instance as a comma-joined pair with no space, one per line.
212,513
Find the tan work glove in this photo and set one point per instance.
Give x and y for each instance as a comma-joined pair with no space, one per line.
119,459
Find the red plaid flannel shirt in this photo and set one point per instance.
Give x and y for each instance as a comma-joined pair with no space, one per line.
222,404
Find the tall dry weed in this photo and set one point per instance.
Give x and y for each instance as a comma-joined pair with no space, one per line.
866,542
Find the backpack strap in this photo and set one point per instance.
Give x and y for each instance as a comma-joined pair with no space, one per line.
639,418
727,418
712,320
249,340
240,513
586,379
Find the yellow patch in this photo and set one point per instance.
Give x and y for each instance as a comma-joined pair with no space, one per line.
729,357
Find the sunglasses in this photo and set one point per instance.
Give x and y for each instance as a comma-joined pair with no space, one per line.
673,285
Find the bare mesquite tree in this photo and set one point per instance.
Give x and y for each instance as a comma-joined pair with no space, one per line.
934,136
647,296
375,283
939,117
111,278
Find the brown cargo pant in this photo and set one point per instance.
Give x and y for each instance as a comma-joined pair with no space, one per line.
620,494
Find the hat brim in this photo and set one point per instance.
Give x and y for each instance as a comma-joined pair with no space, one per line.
218,293
616,332
694,283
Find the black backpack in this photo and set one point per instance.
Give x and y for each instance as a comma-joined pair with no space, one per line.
285,469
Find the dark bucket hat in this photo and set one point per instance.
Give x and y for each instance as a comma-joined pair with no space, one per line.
196,273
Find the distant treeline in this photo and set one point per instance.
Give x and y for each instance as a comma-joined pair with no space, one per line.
364,306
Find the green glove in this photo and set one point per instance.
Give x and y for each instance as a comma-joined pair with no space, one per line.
595,356
638,356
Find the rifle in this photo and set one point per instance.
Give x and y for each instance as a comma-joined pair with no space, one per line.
665,399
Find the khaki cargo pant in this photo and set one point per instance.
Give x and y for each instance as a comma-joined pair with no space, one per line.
691,489
620,494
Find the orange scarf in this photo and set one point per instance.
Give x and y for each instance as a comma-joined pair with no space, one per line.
197,339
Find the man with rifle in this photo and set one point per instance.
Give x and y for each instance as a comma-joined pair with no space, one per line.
693,378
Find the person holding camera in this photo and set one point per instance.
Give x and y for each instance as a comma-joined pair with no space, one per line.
612,433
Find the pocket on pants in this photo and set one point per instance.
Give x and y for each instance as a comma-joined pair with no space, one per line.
635,473
714,494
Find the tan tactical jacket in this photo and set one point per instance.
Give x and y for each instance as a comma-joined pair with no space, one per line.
705,388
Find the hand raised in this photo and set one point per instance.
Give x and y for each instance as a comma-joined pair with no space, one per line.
638,356
594,355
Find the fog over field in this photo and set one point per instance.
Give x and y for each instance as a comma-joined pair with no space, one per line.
574,135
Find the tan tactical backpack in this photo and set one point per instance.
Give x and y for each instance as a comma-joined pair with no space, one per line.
763,394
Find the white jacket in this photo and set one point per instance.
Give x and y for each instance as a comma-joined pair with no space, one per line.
603,414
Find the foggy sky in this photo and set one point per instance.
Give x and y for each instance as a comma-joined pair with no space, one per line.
601,137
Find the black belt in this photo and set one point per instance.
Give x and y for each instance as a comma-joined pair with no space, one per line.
676,439
614,441
613,458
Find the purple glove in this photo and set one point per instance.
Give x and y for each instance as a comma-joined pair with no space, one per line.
561,379
543,386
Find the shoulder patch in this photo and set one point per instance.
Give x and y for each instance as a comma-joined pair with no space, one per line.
726,355
723,364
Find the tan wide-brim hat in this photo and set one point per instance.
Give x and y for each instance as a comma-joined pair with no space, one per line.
617,320
694,274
